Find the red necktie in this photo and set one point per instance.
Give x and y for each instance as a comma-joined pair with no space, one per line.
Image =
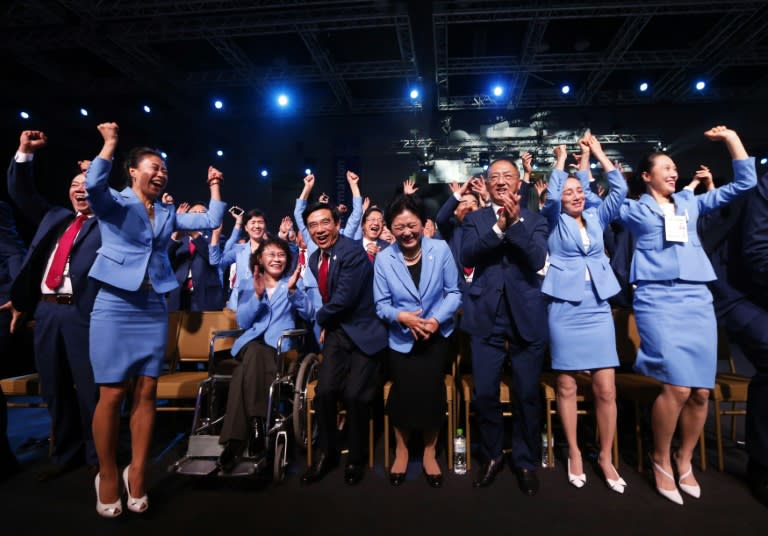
371,257
56,273
322,276
302,259
192,248
468,271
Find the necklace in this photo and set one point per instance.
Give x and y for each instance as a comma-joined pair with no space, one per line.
413,257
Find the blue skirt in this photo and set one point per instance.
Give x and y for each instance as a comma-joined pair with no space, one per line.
128,334
678,333
582,336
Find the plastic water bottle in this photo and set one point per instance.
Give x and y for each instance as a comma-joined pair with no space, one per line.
544,445
460,453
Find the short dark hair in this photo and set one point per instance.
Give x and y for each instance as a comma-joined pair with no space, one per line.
369,211
411,203
255,257
254,213
314,207
134,158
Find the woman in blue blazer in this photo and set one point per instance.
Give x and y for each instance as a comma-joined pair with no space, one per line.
416,292
264,311
579,282
129,323
671,270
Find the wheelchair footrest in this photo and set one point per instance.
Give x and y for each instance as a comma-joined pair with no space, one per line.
204,446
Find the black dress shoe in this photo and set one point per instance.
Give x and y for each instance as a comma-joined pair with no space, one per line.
488,472
434,481
396,479
230,456
527,481
353,473
322,466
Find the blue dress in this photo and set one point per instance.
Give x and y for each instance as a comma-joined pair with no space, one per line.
672,304
582,335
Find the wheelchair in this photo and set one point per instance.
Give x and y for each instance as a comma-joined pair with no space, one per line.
286,411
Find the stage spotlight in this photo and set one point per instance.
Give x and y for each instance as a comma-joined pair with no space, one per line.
644,87
24,115
218,104
147,109
307,171
83,112
763,161
414,94
219,153
264,172
565,89
700,85
282,100
498,91
164,155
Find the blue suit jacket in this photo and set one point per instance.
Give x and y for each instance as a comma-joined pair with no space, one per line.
209,293
132,248
51,221
568,258
505,267
437,295
655,258
450,231
269,317
351,307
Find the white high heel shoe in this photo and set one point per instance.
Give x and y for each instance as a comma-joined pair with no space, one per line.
671,494
107,509
617,485
577,481
134,504
692,490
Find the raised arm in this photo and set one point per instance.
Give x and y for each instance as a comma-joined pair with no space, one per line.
216,207
97,179
745,176
552,207
609,208
353,222
21,180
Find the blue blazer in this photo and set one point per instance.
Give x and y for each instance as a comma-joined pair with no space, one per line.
209,293
505,267
437,295
239,254
51,221
351,307
656,259
568,259
132,248
269,317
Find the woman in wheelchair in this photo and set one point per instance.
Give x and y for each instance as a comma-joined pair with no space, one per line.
264,311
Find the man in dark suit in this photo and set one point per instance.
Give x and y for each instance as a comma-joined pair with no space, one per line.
53,285
200,287
505,315
735,238
352,336
449,219
372,226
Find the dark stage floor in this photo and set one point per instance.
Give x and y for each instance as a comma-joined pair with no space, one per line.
181,504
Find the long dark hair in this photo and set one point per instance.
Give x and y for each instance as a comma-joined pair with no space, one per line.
636,183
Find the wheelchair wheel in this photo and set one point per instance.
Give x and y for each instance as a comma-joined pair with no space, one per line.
278,468
307,373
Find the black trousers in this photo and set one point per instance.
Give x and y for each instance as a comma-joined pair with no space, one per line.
348,375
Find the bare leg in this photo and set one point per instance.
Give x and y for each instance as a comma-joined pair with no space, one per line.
566,408
106,425
604,389
692,419
431,467
664,415
400,464
142,425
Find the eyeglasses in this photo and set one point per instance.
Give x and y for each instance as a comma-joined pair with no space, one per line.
279,256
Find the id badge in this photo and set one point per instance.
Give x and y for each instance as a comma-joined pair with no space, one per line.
676,228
